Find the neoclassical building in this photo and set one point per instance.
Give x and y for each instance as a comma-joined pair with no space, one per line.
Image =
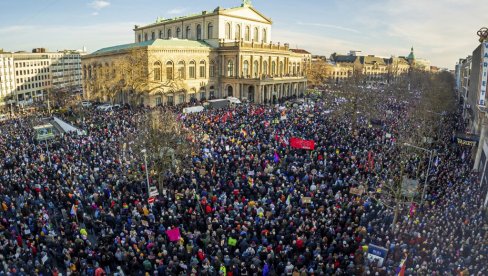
213,54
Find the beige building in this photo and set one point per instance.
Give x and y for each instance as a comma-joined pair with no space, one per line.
225,52
375,69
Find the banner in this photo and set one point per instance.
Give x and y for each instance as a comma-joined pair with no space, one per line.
377,253
484,73
173,234
232,241
298,143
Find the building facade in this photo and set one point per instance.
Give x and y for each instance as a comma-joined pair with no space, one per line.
226,52
26,77
374,69
7,76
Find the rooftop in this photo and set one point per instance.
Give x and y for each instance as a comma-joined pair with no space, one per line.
167,43
300,51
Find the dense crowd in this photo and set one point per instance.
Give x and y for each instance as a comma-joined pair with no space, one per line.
248,205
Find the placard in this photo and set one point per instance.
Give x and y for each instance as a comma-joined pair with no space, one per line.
306,199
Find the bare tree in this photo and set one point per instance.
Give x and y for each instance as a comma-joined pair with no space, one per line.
168,142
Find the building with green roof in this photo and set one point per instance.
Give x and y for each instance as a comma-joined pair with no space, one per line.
212,54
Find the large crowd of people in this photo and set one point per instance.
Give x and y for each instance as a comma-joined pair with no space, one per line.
249,204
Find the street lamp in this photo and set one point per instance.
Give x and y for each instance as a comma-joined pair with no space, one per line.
428,168
147,172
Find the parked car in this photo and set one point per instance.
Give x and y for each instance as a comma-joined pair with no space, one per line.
86,104
105,107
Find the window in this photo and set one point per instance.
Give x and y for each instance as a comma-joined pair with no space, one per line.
157,71
203,69
181,70
245,69
153,36
281,68
212,69
255,68
139,38
169,34
199,32
227,31
161,34
247,34
256,34
178,32
181,98
230,68
265,36
238,32
265,67
169,70
273,68
210,31
192,68
211,92
145,37
188,32
158,101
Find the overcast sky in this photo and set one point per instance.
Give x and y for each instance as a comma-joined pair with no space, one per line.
439,30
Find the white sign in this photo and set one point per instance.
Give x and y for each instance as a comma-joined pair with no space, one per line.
153,191
484,72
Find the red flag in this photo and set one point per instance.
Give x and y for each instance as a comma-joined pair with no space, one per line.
302,144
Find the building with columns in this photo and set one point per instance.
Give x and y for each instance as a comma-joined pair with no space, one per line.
213,54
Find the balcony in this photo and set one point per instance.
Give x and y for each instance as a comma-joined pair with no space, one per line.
253,45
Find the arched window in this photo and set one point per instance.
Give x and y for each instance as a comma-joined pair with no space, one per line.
273,68
294,69
203,69
265,67
157,71
161,34
247,34
188,32
256,34
255,68
265,36
169,34
298,69
192,69
169,70
178,32
199,32
145,37
230,68
181,70
238,32
153,36
210,31
212,69
281,68
227,31
245,69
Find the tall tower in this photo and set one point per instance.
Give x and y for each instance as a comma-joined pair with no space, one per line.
411,57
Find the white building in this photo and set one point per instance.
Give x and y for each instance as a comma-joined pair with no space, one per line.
7,76
28,76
